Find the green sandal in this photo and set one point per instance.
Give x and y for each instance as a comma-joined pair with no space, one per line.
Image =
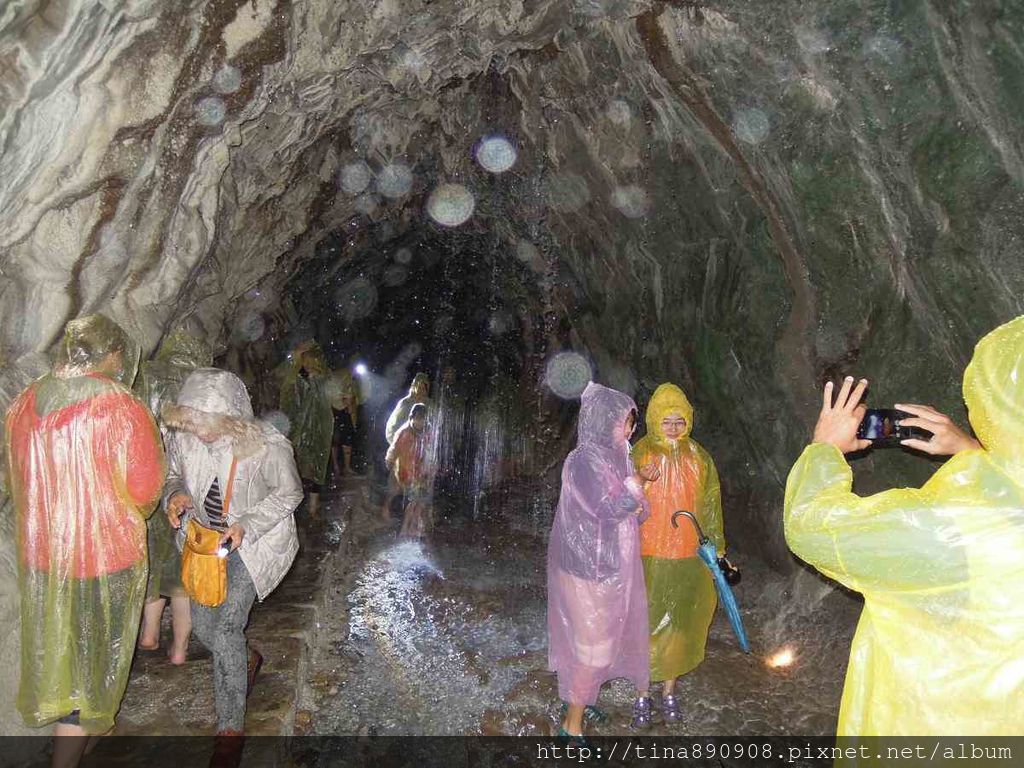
590,714
580,741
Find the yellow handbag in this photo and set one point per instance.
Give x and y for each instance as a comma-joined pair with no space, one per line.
204,575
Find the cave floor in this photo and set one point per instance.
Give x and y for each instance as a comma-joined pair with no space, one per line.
449,637
372,635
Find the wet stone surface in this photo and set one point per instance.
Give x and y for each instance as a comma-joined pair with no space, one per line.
449,637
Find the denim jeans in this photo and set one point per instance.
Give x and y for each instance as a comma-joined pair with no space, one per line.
222,631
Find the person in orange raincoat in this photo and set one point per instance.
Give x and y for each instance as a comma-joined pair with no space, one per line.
408,458
681,595
86,467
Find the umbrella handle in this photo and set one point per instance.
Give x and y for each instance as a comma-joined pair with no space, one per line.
700,533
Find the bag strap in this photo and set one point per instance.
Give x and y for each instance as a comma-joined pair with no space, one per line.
231,485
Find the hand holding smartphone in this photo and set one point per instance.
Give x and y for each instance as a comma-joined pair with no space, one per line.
884,427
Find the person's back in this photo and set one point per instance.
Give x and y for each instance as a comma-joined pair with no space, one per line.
940,645
86,468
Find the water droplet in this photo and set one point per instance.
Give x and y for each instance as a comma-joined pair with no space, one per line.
403,256
366,204
630,201
227,80
279,421
567,374
355,177
356,298
619,111
395,275
567,192
251,326
450,205
211,110
394,180
495,154
751,125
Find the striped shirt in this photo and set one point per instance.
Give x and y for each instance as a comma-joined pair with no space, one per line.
214,507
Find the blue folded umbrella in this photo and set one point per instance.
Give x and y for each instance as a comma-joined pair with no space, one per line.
709,554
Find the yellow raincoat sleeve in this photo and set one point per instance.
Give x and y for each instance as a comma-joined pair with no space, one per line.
711,504
888,542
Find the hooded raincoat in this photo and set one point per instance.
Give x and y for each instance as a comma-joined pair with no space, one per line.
85,468
400,414
681,595
266,488
597,609
305,401
157,385
939,649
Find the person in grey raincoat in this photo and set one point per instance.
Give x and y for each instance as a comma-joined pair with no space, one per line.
215,439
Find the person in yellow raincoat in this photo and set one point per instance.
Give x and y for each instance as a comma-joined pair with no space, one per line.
939,649
681,595
305,402
86,466
157,385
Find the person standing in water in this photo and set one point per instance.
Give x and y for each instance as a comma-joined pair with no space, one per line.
409,459
597,608
419,391
681,595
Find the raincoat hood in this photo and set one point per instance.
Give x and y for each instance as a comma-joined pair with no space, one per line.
602,410
308,355
668,399
88,341
994,391
212,390
184,350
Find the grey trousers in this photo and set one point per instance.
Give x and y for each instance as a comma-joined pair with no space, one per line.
222,631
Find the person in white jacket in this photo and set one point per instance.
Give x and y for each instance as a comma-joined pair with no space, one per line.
237,476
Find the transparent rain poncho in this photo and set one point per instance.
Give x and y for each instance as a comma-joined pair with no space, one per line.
940,645
158,384
86,468
597,609
680,592
304,400
400,413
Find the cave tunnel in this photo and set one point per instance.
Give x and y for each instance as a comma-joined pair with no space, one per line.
516,198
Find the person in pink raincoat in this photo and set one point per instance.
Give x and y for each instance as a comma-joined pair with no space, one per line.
597,605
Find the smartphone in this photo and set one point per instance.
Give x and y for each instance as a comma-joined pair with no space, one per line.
225,548
883,427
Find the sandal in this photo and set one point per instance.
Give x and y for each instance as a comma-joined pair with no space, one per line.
642,714
590,714
670,712
580,741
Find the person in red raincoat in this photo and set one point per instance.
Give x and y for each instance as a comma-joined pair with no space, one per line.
86,468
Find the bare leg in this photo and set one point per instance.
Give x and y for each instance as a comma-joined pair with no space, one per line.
389,497
573,722
149,637
181,621
334,463
670,686
68,745
347,452
314,505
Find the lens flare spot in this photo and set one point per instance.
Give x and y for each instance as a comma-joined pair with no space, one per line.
784,657
227,80
751,125
211,110
403,256
631,201
567,192
567,374
394,180
356,298
450,205
495,154
355,178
